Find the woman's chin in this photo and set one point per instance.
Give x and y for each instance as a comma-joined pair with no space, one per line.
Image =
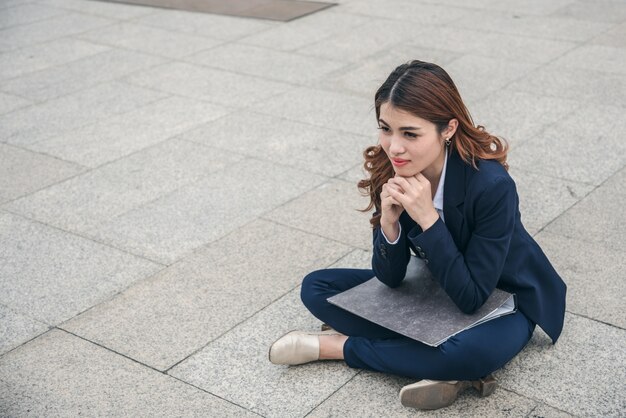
405,171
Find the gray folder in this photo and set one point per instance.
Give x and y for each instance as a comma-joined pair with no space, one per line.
419,308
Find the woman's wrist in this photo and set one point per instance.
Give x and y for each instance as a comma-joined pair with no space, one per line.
429,220
390,230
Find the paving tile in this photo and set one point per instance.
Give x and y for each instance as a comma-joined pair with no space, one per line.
61,375
365,77
518,116
149,40
311,148
167,318
583,374
16,329
415,12
283,10
477,76
263,62
65,79
305,30
115,137
496,45
376,394
615,37
577,84
543,198
53,276
364,40
528,7
542,411
12,3
60,115
119,11
573,149
356,259
27,13
205,7
335,214
23,172
225,28
9,103
603,59
168,228
354,174
554,28
329,110
47,30
474,4
209,84
596,218
86,201
607,119
592,272
38,57
602,11
235,366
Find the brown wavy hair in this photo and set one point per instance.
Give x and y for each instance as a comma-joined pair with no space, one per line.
427,91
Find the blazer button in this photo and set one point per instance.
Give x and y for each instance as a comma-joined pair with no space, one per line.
422,255
425,261
419,249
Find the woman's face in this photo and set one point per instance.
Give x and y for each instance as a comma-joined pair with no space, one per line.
412,144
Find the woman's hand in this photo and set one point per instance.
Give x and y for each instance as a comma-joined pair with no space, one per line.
391,210
415,196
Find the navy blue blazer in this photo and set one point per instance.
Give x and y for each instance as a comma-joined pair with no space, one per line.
482,245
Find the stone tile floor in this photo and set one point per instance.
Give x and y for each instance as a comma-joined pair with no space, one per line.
167,178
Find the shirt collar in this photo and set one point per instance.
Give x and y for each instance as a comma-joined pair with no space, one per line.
438,198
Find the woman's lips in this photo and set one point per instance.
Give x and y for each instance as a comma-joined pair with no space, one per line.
399,162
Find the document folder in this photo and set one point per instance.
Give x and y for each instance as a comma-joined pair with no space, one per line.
419,308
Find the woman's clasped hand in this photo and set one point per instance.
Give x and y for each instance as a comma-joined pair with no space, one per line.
413,194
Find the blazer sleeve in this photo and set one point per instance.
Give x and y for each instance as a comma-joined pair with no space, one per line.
389,261
470,277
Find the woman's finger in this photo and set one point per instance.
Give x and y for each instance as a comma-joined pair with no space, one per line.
414,182
402,183
400,197
393,186
422,179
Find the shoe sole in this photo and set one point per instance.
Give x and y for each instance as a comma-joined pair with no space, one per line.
432,396
441,394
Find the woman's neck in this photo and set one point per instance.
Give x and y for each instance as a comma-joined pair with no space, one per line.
433,172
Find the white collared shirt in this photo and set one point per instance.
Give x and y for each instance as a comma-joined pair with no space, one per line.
437,200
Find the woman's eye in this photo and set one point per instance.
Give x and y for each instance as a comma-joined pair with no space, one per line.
383,128
411,134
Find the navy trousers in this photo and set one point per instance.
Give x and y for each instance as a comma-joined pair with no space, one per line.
469,355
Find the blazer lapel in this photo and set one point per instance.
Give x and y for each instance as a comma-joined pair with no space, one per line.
454,196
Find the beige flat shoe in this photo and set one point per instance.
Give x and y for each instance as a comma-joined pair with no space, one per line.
297,347
435,394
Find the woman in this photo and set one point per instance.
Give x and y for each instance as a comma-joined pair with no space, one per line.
440,187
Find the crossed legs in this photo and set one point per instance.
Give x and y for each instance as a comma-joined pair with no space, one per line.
470,355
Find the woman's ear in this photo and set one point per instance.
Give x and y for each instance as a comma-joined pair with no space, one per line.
453,124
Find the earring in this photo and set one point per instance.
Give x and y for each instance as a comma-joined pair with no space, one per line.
448,142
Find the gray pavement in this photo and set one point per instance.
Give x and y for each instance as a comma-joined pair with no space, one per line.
167,179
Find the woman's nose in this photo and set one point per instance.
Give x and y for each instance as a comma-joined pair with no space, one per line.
396,147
